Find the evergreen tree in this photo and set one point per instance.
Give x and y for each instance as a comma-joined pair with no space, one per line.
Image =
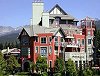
17,45
41,64
2,64
9,45
32,66
59,65
12,64
1,46
6,45
70,68
97,36
12,45
87,72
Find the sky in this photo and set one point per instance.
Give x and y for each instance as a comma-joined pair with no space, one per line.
17,13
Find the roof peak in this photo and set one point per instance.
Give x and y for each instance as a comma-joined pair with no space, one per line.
57,6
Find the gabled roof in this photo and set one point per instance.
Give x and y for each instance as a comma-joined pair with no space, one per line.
63,14
57,6
27,30
54,30
33,31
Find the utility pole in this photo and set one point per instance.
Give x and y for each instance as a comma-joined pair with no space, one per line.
64,57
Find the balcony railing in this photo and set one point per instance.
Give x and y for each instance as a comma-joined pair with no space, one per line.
75,56
71,44
61,44
66,44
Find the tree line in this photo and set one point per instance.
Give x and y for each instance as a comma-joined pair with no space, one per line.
10,45
9,67
61,68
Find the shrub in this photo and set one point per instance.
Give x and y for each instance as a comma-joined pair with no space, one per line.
22,73
57,74
88,72
44,74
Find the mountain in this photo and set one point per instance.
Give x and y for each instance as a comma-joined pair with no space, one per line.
9,34
5,30
9,38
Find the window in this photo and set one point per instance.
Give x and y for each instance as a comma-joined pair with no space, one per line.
90,51
89,41
24,33
62,40
43,40
50,38
50,49
56,39
63,22
25,41
25,51
43,51
80,64
50,22
84,64
50,63
82,41
83,50
78,41
36,50
56,50
76,63
88,23
36,38
89,33
57,19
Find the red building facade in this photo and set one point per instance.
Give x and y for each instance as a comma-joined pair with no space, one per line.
52,32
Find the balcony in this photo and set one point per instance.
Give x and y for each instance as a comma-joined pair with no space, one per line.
66,44
59,44
70,36
71,44
75,56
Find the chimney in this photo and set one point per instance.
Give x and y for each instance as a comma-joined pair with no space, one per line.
45,19
37,10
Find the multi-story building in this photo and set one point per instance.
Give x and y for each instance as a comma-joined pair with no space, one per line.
54,34
88,26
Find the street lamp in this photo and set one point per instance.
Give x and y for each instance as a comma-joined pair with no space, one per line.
64,45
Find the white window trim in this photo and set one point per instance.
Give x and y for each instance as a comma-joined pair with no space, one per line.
38,49
78,42
38,39
91,41
43,37
49,39
84,41
49,50
57,39
49,63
